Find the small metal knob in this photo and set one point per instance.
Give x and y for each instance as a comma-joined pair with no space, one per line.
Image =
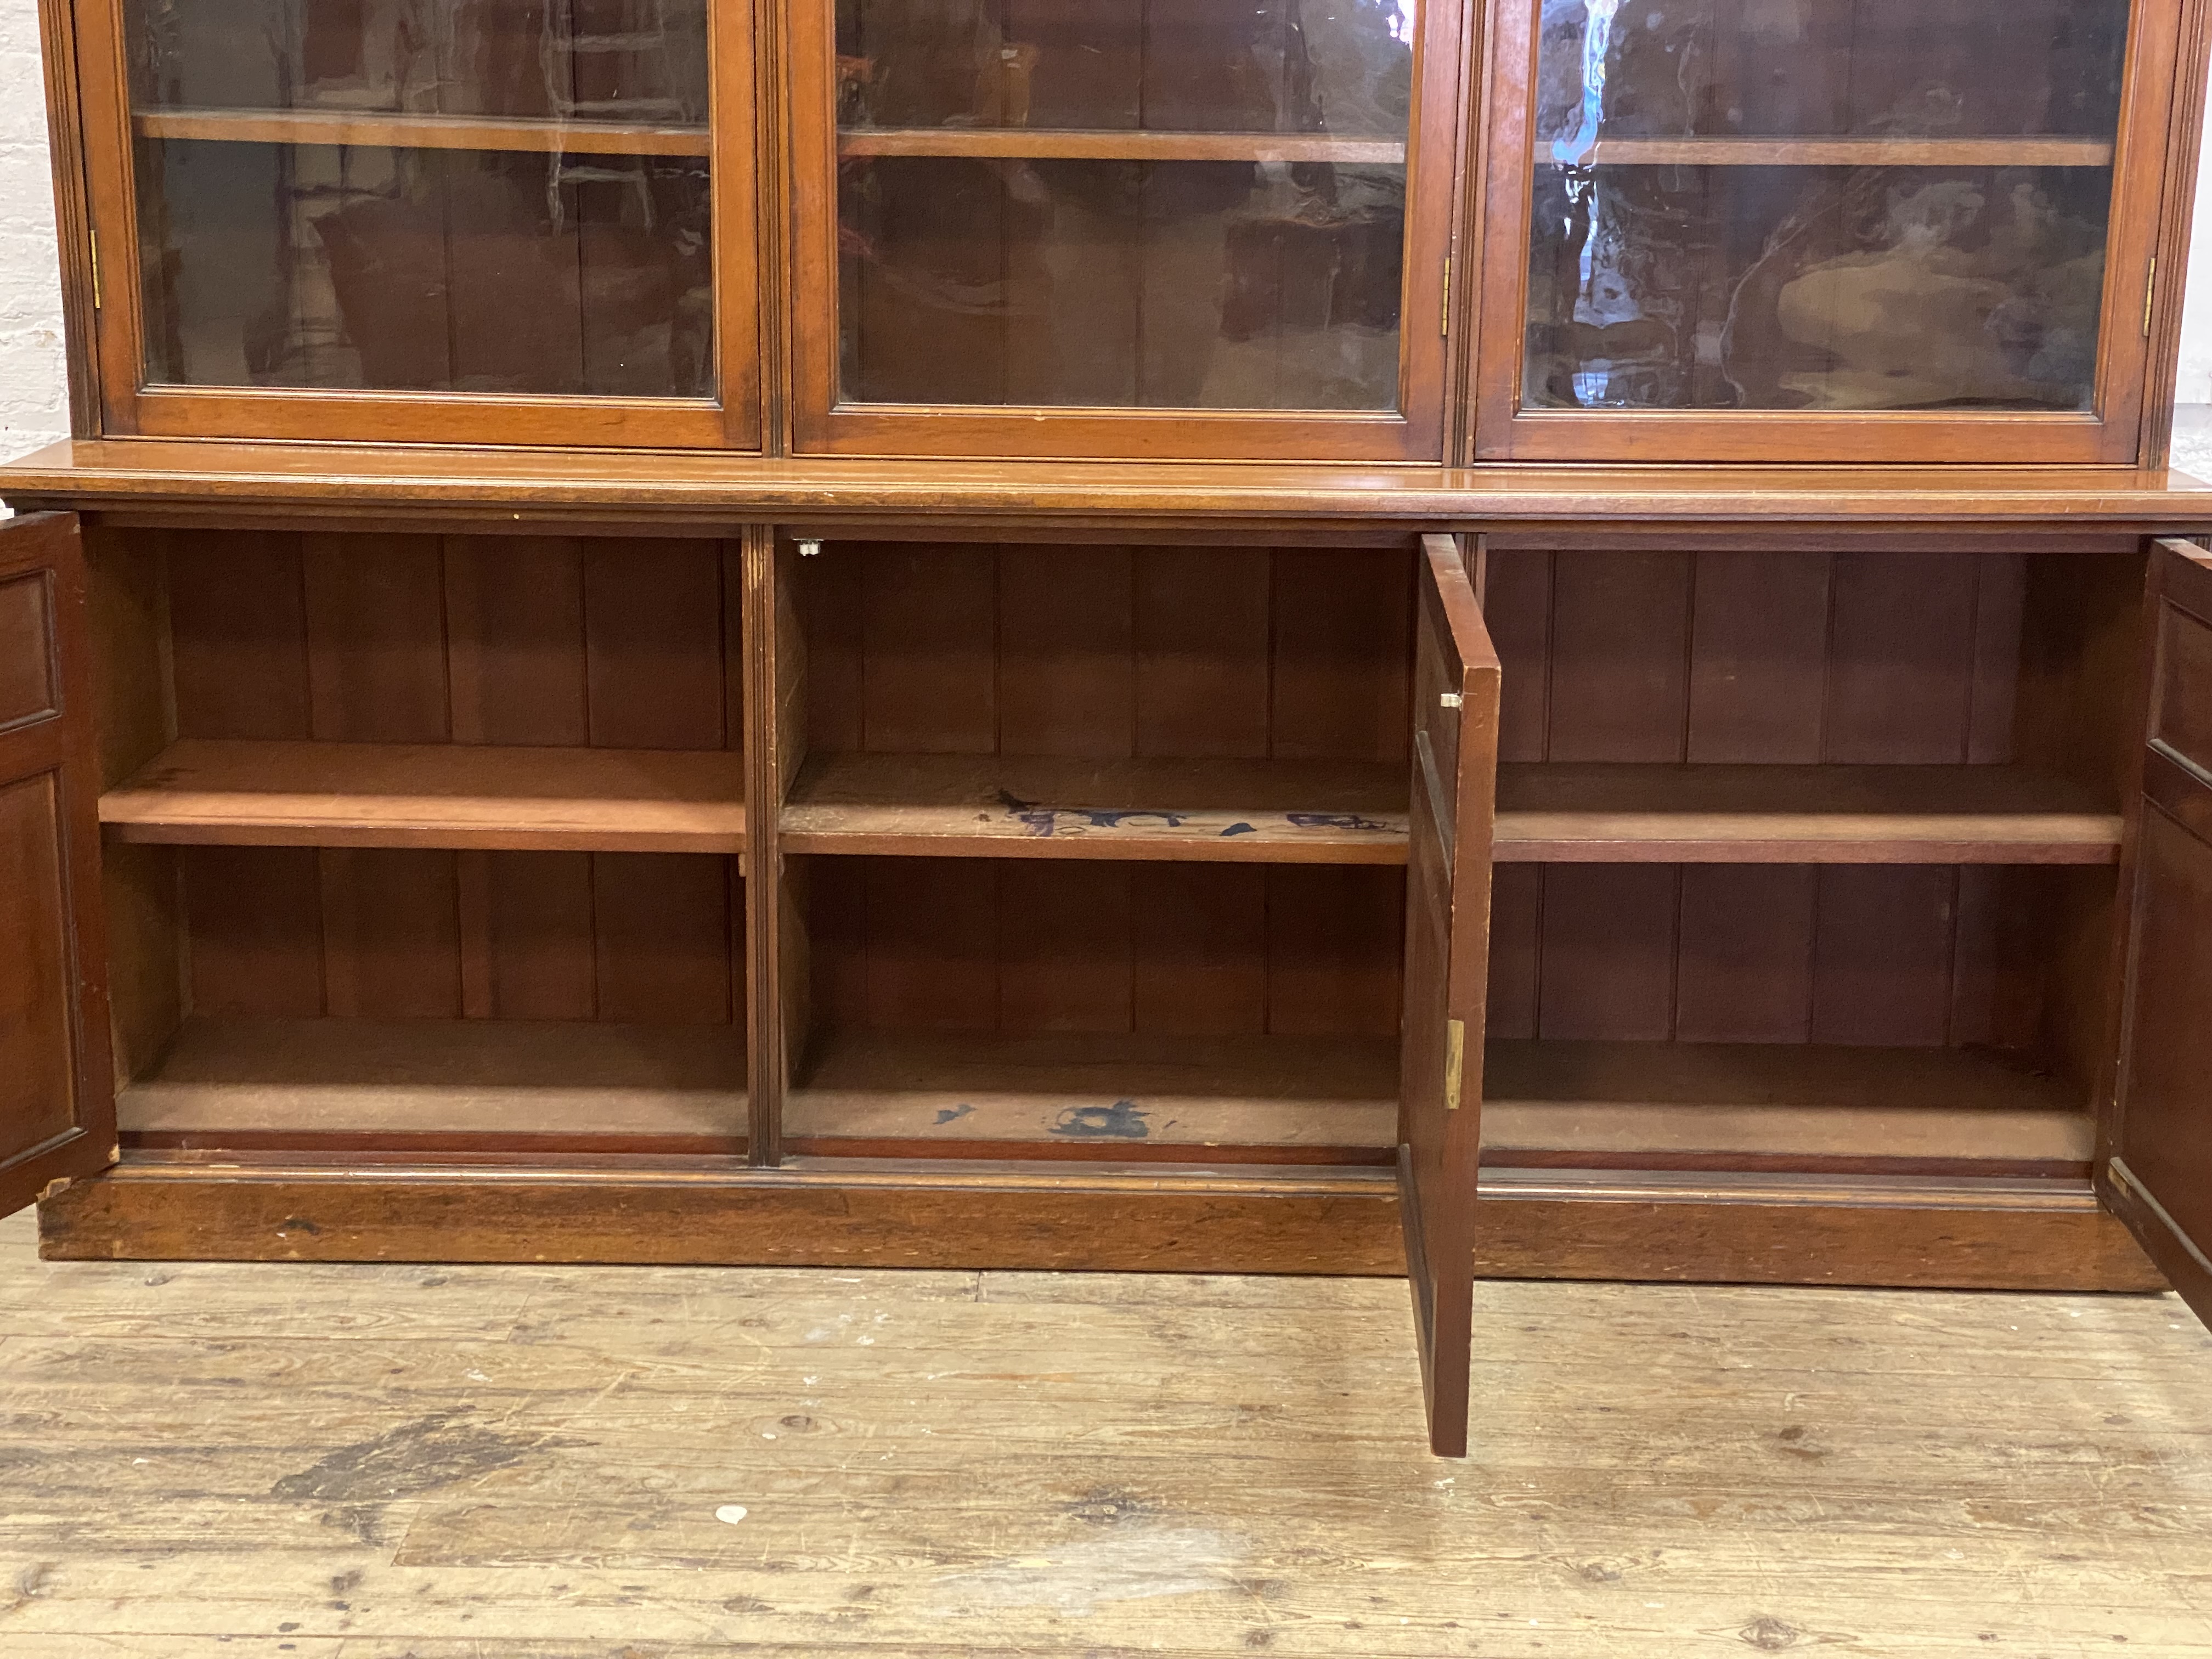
807,549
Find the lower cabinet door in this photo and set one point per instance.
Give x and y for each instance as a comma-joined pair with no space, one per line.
1456,692
2155,1163
56,1087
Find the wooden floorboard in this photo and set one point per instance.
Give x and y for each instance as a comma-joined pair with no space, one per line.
535,1463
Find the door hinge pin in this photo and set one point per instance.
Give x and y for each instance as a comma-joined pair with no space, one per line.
2150,291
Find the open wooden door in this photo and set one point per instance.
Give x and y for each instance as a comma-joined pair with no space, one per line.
2155,1166
57,1078
1455,683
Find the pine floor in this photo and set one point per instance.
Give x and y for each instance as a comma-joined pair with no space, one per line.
405,1462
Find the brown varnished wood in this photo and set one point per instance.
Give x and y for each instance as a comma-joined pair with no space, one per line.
1447,961
56,1083
2035,1235
2156,1152
569,487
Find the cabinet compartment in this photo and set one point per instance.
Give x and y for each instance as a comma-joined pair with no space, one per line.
423,840
1118,1010
1240,703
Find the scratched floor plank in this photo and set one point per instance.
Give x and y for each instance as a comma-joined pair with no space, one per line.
369,1462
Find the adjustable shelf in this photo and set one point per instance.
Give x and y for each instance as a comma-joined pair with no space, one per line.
1123,1097
1035,806
1023,143
242,793
1752,1105
1640,814
430,1085
1854,151
396,130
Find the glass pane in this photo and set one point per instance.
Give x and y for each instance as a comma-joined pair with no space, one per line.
1822,203
496,196
1108,204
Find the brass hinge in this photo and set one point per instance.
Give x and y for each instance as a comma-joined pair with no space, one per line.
2150,288
93,237
1443,318
1455,1055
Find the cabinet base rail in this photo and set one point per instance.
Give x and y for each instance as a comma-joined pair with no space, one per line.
1993,1235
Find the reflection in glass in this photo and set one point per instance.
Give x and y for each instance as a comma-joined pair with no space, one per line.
518,201
1240,245
1821,203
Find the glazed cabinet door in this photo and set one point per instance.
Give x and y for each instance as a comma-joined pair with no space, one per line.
1454,805
1211,229
2155,1163
57,1089
1856,230
498,222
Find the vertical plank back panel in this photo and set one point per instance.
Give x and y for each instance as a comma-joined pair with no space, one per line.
1619,656
1199,949
1745,973
1757,652
540,946
1066,665
1335,950
1064,947
255,921
1516,605
933,944
376,638
929,622
661,938
831,588
653,644
1901,672
238,635
1342,655
1517,910
1881,971
514,623
391,945
1202,644
1606,965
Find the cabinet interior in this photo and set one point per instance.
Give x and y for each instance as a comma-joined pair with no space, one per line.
1805,860
423,841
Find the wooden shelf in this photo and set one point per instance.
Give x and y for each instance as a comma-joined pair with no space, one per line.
1658,1105
399,131
1637,814
1872,151
450,795
1119,1096
233,1082
1038,144
1032,806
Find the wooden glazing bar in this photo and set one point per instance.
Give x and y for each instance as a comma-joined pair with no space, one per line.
1732,151
399,131
1032,144
243,793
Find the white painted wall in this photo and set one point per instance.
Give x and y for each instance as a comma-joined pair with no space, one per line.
33,402
34,399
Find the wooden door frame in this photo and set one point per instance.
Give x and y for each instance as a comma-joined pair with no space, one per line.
823,425
62,744
113,298
2111,432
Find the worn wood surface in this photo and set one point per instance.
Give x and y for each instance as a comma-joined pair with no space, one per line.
368,1462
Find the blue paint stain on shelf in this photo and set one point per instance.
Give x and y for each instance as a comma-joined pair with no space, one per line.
953,1112
1238,829
1333,821
1044,821
1122,1120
